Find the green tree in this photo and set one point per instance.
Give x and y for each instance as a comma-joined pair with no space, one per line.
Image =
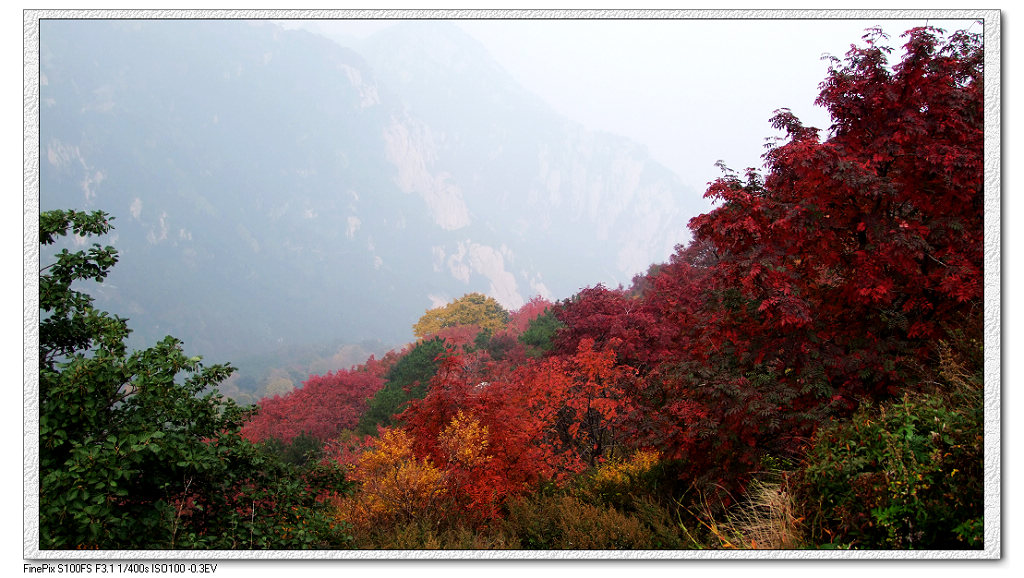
541,332
406,381
301,450
470,309
133,454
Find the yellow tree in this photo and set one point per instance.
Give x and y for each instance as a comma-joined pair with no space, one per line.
395,486
470,309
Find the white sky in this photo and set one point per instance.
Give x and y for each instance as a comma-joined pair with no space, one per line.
693,91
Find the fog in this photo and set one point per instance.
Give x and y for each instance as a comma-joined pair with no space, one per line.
694,91
282,195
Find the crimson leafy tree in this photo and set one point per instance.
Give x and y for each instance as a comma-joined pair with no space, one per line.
607,316
321,409
835,273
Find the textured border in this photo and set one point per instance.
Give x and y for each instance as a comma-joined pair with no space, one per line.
992,287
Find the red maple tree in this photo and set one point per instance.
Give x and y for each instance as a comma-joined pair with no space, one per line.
830,277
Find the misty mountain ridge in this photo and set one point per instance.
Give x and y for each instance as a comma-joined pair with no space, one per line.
273,187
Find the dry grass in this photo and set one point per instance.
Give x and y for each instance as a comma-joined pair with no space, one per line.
766,520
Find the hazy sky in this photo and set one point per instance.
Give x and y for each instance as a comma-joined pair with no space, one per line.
694,91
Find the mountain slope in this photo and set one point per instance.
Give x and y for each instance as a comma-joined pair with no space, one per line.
272,187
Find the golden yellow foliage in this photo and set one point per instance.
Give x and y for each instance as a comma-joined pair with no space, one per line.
396,487
470,309
625,471
465,441
394,484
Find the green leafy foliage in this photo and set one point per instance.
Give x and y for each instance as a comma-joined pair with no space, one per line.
407,380
140,450
906,474
540,334
68,322
259,501
297,451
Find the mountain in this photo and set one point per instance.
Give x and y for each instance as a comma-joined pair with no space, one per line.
272,187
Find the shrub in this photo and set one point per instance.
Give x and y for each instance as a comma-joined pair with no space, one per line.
907,474
421,534
619,482
560,522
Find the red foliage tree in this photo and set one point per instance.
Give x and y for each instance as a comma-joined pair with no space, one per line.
870,241
612,316
513,460
459,335
829,278
590,398
519,320
322,408
546,419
